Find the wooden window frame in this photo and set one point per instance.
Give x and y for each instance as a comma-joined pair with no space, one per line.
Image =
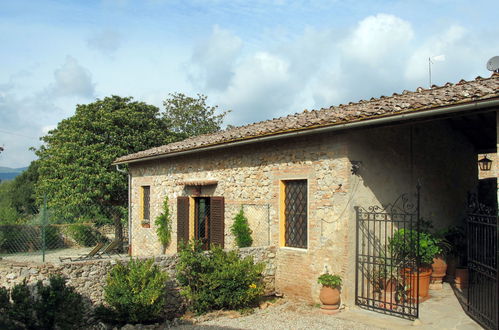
186,222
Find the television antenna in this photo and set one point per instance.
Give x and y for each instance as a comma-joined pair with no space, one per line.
493,64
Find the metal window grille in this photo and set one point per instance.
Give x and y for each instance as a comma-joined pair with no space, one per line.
295,201
203,219
146,202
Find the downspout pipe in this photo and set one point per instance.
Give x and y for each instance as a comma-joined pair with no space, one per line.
129,207
477,105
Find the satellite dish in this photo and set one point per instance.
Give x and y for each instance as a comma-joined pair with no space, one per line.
493,64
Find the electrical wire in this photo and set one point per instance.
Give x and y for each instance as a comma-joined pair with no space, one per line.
22,135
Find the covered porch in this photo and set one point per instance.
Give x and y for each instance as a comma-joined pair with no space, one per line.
437,152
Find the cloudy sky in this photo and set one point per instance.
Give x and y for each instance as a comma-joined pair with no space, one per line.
262,59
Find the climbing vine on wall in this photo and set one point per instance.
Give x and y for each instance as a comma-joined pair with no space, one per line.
164,225
241,230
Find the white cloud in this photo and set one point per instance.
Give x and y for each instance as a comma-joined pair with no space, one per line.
47,128
73,80
259,88
214,59
377,38
106,41
452,42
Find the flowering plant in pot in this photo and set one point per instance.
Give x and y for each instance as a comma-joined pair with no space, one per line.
414,249
330,291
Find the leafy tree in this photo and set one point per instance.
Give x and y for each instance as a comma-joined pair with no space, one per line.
75,170
8,213
188,116
22,191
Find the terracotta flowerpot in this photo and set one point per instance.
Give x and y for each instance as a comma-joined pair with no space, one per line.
330,298
411,279
439,268
387,299
390,285
461,278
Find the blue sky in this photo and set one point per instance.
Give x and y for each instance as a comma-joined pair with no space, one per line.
261,59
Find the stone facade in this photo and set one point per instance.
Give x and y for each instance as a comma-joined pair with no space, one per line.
393,159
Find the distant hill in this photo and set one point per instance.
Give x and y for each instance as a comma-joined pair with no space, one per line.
8,173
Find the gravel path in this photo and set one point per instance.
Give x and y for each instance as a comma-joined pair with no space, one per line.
283,315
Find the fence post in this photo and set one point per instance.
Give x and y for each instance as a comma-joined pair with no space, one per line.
44,224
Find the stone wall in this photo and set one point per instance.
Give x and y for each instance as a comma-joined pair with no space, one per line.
89,277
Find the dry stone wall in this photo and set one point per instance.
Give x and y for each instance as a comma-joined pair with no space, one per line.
89,277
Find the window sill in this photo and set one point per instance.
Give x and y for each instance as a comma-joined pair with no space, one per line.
288,248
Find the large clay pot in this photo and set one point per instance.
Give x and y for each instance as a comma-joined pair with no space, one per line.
461,278
411,279
439,268
387,299
330,297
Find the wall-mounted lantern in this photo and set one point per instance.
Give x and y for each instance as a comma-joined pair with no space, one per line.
485,164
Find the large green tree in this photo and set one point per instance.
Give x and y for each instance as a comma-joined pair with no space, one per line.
22,191
8,214
188,116
75,171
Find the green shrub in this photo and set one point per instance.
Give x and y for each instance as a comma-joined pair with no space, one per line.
25,238
23,306
218,279
332,281
20,238
58,306
55,306
404,245
6,322
241,230
53,237
135,293
85,235
163,225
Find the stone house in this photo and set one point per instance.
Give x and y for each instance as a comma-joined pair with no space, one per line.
302,176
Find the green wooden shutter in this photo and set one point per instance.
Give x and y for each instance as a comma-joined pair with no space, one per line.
182,220
217,221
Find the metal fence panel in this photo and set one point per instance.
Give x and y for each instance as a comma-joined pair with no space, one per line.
259,221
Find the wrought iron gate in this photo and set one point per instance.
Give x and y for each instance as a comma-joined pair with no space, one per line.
481,230
387,280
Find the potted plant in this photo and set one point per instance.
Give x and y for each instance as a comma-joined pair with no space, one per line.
330,291
411,251
439,265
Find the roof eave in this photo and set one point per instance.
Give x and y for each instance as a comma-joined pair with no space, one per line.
364,122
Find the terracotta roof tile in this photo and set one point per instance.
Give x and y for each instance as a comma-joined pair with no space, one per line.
420,100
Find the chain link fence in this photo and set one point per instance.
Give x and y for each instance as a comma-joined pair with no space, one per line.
258,216
38,239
